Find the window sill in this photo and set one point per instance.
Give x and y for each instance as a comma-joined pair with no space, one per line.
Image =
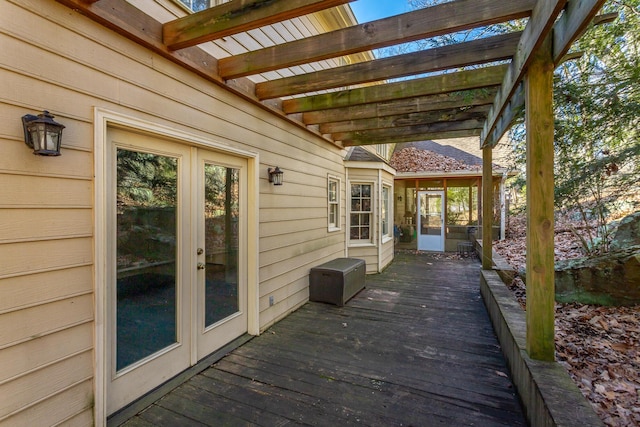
361,245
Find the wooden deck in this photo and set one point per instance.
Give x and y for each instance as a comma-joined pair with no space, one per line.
415,348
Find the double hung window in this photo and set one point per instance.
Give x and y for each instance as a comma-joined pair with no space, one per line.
360,227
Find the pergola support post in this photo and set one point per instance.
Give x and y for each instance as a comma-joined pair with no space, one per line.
540,208
487,208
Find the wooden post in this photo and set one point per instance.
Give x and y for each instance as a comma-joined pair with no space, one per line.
487,208
540,224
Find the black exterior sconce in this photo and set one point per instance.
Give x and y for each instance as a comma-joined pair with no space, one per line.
42,134
275,175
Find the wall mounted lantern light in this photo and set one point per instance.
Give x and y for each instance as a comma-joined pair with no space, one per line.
275,175
42,134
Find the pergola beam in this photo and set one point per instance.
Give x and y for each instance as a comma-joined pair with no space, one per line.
235,17
443,83
423,23
538,28
402,120
396,139
574,21
457,55
430,103
386,134
576,18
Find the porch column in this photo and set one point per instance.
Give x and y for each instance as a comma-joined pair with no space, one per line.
487,208
540,224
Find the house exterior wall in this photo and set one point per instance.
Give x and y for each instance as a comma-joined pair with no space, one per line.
377,253
52,58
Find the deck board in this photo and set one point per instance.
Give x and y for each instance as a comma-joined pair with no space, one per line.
415,348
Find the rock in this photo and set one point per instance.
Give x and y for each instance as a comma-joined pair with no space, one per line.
610,279
628,232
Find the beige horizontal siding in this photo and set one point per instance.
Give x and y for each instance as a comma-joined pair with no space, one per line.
28,324
23,224
369,254
386,255
29,356
296,267
70,66
45,383
30,257
73,407
33,289
37,191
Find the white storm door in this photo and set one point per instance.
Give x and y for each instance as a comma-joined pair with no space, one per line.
430,221
221,295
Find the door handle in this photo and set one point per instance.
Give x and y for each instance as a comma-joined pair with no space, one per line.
201,266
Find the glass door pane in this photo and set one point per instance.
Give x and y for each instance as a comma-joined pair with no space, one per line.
430,221
434,215
146,296
221,214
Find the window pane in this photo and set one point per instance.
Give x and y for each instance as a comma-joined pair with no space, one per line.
196,5
146,282
221,212
385,210
333,193
360,211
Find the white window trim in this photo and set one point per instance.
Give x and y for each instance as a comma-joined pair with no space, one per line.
338,225
389,236
372,212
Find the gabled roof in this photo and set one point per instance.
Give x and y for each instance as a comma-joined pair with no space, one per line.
359,154
359,103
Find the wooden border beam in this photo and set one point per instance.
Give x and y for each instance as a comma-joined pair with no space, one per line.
458,55
235,17
443,83
423,23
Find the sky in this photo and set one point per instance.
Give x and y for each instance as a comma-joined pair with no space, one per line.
369,10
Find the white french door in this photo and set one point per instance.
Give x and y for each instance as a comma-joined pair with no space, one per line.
430,221
177,279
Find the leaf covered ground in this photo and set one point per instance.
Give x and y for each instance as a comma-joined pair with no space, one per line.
599,346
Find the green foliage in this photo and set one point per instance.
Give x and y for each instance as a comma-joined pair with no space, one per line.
146,179
597,112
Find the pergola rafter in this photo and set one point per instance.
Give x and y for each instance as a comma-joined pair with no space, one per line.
347,99
420,24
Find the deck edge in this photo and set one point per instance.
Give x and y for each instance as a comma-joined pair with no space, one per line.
548,394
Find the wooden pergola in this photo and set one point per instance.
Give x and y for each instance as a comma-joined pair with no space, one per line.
356,104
